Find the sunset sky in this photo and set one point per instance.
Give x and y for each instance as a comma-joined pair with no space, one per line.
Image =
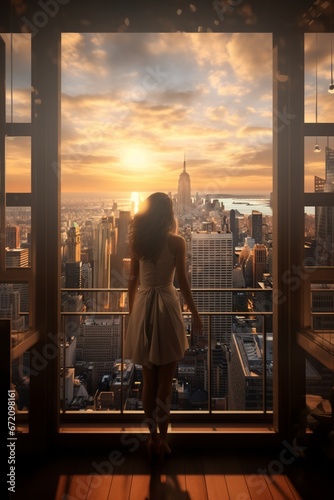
134,104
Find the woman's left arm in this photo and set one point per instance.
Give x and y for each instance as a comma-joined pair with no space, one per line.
133,282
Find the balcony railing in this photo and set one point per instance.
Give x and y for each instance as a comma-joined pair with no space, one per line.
214,367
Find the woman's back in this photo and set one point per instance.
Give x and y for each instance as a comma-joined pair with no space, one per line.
160,273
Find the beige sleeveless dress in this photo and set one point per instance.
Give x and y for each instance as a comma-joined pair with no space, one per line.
156,331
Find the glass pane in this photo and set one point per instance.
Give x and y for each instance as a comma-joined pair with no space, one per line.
318,101
18,237
319,236
319,395
319,166
18,164
14,305
322,310
18,77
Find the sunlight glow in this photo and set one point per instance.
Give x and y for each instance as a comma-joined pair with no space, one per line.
135,200
135,158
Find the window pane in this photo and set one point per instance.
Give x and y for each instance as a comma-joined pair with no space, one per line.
319,166
319,236
14,305
18,237
18,164
318,101
18,77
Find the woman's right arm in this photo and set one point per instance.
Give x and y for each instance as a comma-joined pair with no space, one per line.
180,264
133,282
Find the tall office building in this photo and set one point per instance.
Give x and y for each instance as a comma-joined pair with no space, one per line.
12,237
102,248
87,275
99,341
256,225
17,257
212,267
324,216
102,245
259,263
235,232
73,244
123,232
245,372
183,192
73,274
10,306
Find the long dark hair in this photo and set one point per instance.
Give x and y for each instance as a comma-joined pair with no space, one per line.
150,226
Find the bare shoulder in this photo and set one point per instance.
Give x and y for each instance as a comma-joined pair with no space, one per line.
175,243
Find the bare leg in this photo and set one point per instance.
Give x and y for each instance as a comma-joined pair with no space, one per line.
150,387
164,396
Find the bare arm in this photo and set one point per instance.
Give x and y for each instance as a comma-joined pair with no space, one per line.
180,264
133,282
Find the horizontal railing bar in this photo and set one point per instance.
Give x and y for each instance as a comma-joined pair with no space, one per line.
204,313
193,289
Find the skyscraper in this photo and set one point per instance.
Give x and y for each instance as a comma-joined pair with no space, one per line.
17,257
101,254
123,231
183,192
256,225
259,263
12,236
102,247
212,267
10,306
73,244
324,216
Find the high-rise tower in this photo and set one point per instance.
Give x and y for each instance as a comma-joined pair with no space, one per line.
324,216
212,267
12,237
73,244
256,225
183,193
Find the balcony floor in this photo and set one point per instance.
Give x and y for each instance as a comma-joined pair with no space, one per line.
195,474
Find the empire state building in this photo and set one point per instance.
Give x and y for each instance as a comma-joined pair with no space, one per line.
183,194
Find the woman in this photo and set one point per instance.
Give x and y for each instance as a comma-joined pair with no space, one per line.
156,336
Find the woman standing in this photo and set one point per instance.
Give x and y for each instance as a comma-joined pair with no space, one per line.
156,337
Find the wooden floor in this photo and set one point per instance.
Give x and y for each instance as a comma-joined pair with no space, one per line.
185,474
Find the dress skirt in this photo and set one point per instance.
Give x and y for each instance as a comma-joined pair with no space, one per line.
156,332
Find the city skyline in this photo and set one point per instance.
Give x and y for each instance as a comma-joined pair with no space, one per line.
134,103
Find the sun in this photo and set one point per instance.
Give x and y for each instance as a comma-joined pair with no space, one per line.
135,158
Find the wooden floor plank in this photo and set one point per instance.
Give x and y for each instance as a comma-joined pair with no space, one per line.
279,487
141,479
175,477
252,466
100,486
195,480
122,479
214,477
235,480
62,487
78,487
